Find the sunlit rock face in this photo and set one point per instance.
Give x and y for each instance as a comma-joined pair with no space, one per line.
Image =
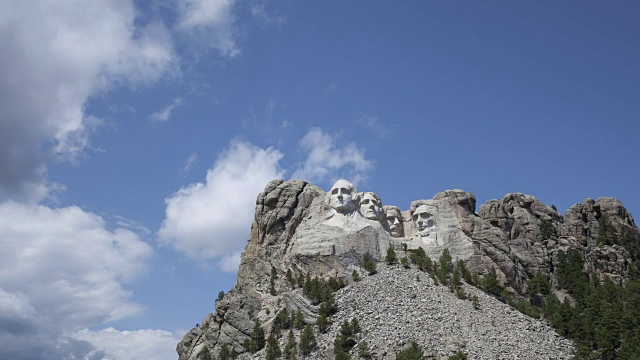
393,216
303,230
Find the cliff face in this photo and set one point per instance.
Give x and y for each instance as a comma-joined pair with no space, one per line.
298,228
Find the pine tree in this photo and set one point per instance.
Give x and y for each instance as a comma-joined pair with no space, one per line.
466,274
273,349
490,282
355,326
445,266
413,352
355,275
204,354
606,232
458,356
257,337
220,296
290,346
322,323
475,302
307,340
369,265
224,353
299,321
547,230
290,279
363,350
391,257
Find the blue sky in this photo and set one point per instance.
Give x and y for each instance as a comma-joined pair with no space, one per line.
135,136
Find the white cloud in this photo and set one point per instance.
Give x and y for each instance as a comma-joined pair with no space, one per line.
211,22
268,17
373,124
56,54
61,270
328,160
189,163
143,344
212,220
164,114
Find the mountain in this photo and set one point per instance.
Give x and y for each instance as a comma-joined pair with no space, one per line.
310,254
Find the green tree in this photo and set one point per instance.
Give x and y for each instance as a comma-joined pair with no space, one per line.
307,340
355,326
273,349
404,262
490,282
257,337
466,274
363,350
290,346
445,267
369,264
547,229
290,278
413,352
272,281
458,356
355,275
322,322
475,302
299,321
570,273
538,287
220,296
224,353
606,232
391,257
456,277
204,354
344,341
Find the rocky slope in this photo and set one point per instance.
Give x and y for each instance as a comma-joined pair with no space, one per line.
295,229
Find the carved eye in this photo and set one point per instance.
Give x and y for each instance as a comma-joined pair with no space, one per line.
334,191
346,191
365,201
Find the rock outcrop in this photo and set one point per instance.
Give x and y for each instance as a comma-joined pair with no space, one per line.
299,230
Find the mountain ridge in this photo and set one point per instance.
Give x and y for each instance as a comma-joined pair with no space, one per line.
296,230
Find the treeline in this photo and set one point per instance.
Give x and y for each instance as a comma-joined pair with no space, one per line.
604,317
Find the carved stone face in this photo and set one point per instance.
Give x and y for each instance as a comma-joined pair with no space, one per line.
424,220
371,206
343,196
394,220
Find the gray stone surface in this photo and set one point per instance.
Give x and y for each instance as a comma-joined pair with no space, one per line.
299,227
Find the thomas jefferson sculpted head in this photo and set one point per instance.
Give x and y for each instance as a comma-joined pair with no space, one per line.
371,206
343,197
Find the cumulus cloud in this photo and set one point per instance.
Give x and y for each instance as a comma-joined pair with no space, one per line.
61,270
325,159
55,56
212,220
210,21
112,344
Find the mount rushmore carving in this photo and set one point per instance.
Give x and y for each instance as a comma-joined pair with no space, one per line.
350,221
302,230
